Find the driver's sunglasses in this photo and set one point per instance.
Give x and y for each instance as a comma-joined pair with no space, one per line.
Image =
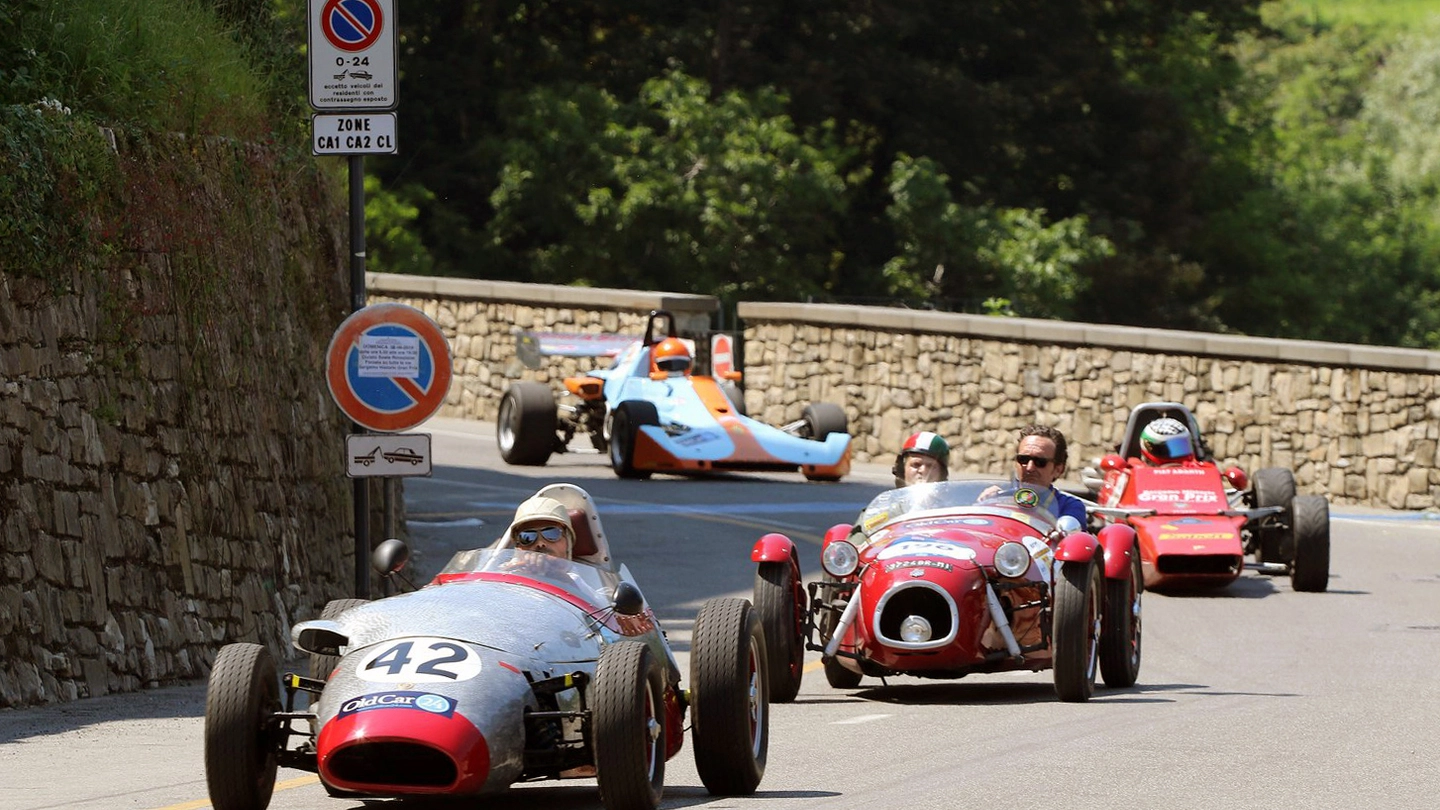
1040,462
529,537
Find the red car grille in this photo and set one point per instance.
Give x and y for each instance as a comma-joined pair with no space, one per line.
399,764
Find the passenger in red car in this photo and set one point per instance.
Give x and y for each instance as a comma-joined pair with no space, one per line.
923,459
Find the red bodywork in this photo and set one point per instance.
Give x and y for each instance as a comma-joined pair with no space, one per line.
938,568
1187,532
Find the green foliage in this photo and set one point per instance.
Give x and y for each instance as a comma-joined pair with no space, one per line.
1012,251
160,65
56,174
672,191
391,244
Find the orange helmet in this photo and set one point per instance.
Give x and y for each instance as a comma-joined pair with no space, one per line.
671,356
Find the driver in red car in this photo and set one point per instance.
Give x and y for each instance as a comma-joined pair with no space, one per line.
923,459
1040,461
1166,441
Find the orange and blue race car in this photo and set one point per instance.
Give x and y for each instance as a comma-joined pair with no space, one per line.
651,413
1196,522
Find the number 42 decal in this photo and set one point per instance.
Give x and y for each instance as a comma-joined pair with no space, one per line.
419,660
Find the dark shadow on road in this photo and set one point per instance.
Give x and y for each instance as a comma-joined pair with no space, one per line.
182,700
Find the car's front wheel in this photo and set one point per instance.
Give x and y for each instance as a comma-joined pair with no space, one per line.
1076,633
628,699
729,697
241,747
1120,636
1310,569
779,605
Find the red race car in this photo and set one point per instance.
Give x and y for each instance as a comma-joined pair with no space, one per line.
947,579
1195,522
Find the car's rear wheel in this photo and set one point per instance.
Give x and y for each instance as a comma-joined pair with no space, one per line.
1120,635
625,424
1076,633
779,606
1310,569
628,706
821,419
241,744
729,697
525,428
1275,486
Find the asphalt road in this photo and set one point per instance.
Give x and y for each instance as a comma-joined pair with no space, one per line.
1250,697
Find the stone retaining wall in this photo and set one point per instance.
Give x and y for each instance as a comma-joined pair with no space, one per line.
171,466
1356,423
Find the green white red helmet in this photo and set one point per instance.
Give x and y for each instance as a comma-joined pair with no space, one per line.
924,443
1166,441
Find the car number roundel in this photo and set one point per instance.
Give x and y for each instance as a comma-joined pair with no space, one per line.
419,660
925,548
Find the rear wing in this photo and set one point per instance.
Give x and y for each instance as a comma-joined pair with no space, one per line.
533,347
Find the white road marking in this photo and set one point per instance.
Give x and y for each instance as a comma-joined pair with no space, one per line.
864,718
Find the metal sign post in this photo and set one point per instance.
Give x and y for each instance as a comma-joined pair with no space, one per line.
352,47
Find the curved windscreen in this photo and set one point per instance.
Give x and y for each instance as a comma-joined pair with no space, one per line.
989,497
594,585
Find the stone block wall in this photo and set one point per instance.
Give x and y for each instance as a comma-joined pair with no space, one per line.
171,464
1358,424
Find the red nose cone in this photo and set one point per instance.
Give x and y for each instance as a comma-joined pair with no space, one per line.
402,743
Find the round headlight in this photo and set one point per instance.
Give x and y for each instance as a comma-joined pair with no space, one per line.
1012,559
915,628
839,559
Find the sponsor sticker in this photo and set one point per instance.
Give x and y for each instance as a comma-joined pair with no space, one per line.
421,701
696,437
1027,498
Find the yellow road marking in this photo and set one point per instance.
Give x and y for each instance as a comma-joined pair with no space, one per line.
279,786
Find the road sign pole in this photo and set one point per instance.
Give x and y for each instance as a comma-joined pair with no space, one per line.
357,303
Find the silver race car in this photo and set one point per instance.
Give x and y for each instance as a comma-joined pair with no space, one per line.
508,667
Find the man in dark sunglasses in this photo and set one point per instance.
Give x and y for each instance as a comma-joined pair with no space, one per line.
1040,461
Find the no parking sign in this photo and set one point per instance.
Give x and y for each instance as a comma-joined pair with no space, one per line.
352,54
388,367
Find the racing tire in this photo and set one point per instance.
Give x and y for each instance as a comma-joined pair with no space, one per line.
735,395
241,745
1076,632
525,430
1310,568
627,701
729,697
625,425
322,666
1120,631
779,606
822,419
1275,486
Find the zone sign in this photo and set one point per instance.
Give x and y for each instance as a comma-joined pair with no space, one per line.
352,54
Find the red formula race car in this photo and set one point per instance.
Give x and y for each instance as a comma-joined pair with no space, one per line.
948,579
1196,522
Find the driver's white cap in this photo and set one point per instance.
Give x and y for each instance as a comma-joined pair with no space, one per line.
542,509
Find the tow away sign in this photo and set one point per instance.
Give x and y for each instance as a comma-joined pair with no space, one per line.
387,454
353,134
